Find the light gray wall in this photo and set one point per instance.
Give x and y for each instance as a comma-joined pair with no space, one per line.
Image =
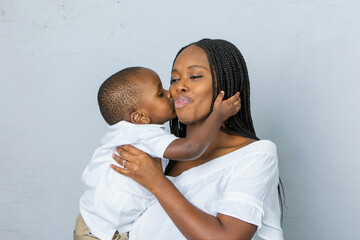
302,56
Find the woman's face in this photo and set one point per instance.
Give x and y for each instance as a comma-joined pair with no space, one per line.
191,85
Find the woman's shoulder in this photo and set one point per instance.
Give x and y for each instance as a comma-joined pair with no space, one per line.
265,146
256,147
257,154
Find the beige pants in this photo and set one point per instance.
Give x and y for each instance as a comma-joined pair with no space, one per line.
82,231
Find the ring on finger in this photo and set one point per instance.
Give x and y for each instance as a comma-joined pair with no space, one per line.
124,162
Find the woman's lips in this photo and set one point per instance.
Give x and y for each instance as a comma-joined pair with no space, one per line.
182,101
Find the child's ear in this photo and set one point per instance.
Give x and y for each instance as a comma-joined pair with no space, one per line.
139,117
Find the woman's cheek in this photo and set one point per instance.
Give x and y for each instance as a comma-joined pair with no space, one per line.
185,116
193,115
172,90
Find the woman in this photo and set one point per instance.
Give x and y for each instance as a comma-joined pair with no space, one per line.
230,192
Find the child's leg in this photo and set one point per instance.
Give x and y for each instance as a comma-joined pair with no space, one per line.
82,231
124,236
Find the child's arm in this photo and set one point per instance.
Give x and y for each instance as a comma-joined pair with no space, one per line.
195,144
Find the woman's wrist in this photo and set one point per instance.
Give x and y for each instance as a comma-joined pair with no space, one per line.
159,186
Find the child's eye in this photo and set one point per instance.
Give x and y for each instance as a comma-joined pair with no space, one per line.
161,94
197,76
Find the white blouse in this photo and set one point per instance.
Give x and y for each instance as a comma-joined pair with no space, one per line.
241,184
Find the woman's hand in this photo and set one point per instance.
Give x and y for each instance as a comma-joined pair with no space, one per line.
139,166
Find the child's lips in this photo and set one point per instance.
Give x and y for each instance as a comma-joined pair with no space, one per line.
181,101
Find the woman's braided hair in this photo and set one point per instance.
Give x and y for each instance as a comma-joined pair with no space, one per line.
229,73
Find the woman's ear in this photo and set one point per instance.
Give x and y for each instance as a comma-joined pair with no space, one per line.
139,117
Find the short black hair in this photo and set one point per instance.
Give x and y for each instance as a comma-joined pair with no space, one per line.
228,68
119,95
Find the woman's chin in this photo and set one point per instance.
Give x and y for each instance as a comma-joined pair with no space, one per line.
184,120
190,120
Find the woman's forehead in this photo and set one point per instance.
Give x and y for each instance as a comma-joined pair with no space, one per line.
192,55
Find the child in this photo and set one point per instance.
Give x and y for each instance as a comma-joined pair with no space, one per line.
135,105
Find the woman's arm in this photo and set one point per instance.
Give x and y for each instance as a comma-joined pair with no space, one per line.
191,221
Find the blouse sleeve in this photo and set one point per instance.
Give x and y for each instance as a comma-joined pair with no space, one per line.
155,141
248,186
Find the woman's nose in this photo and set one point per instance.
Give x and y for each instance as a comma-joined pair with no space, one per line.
180,87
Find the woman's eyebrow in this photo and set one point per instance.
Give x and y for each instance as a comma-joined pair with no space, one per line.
197,66
191,66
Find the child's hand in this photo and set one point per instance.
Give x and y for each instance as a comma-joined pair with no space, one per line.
227,108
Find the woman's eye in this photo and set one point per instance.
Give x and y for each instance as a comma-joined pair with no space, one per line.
161,94
174,80
197,76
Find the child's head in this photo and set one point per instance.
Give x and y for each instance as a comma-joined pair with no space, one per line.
135,95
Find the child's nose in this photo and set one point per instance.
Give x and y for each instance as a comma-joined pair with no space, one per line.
168,94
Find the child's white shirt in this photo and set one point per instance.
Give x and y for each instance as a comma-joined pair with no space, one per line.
113,201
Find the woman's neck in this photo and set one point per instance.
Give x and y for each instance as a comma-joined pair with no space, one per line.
223,143
223,139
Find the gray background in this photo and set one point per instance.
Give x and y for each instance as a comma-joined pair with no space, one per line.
303,60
